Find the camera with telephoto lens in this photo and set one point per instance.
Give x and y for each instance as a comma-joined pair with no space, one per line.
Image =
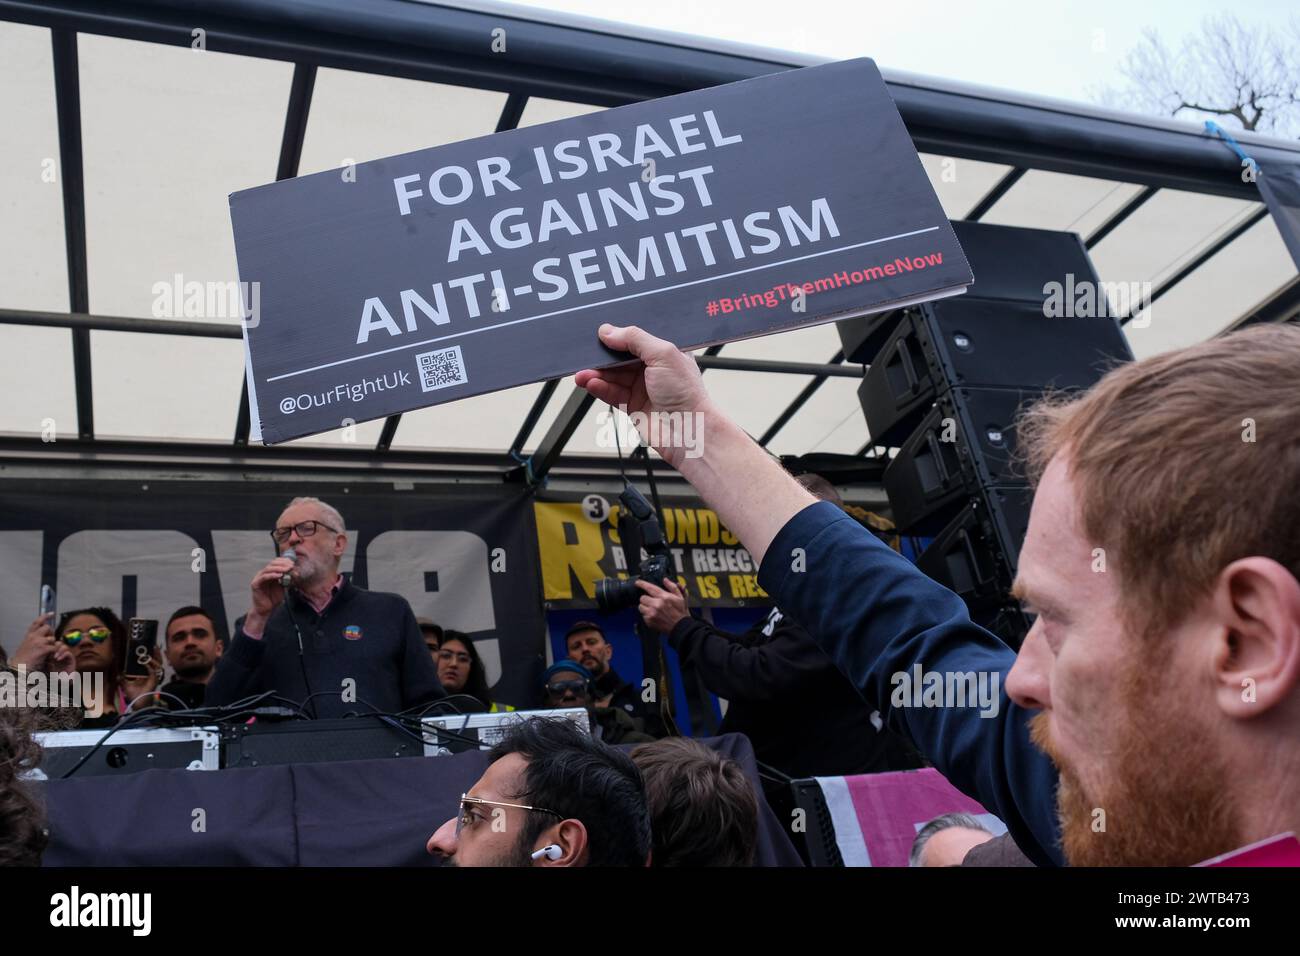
638,528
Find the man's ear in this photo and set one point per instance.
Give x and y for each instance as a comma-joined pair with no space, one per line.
340,544
571,837
1256,611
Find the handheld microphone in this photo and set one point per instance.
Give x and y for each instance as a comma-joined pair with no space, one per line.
286,579
550,851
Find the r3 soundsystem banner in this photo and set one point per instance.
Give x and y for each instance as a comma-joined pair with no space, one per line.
786,200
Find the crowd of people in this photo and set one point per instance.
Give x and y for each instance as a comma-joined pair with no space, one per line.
1156,691
333,649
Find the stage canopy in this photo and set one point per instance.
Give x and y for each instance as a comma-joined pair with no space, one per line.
122,141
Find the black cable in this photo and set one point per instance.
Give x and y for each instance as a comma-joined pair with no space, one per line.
120,725
618,444
661,680
446,700
152,714
320,693
302,662
130,708
215,714
374,711
398,725
654,489
248,701
772,773
438,732
247,705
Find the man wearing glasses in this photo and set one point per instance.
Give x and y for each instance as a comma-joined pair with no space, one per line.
323,643
552,796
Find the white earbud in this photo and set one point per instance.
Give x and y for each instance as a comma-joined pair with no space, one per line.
550,851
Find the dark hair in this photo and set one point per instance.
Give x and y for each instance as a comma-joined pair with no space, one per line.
945,822
23,836
476,684
117,630
581,778
190,610
585,626
703,811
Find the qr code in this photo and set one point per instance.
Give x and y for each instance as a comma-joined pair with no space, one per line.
441,369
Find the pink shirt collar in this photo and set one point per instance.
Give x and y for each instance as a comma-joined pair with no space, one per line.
333,593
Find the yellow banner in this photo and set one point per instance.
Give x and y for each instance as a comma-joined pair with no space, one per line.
579,544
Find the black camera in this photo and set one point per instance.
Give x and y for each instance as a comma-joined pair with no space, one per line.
638,529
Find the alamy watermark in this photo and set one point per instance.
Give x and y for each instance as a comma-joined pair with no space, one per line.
179,299
1085,299
20,687
658,429
921,688
74,908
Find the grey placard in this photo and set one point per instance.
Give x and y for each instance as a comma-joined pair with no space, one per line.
787,200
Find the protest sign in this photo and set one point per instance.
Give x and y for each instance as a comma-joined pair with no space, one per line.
781,201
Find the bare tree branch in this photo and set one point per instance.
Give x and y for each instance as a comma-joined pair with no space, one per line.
1227,69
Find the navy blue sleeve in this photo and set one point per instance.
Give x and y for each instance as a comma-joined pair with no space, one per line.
876,616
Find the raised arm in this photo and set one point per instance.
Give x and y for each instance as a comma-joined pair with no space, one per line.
870,609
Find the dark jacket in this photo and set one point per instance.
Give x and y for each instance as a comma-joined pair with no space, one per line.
368,637
800,713
1000,851
876,615
190,692
627,698
615,726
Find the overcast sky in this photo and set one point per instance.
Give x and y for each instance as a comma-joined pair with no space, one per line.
1061,49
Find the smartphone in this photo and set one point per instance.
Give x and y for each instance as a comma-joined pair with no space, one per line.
142,638
47,600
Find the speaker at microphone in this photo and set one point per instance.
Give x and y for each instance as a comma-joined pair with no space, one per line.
286,579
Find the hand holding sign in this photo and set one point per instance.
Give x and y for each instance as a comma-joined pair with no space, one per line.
733,472
664,381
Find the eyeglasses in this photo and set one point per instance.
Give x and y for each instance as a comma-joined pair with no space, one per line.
97,634
305,529
449,656
466,816
560,688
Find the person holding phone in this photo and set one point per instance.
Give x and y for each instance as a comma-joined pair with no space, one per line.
41,649
90,641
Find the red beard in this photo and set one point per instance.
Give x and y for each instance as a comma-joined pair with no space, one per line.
1163,801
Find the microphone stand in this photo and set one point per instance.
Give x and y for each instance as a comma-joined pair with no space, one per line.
286,582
